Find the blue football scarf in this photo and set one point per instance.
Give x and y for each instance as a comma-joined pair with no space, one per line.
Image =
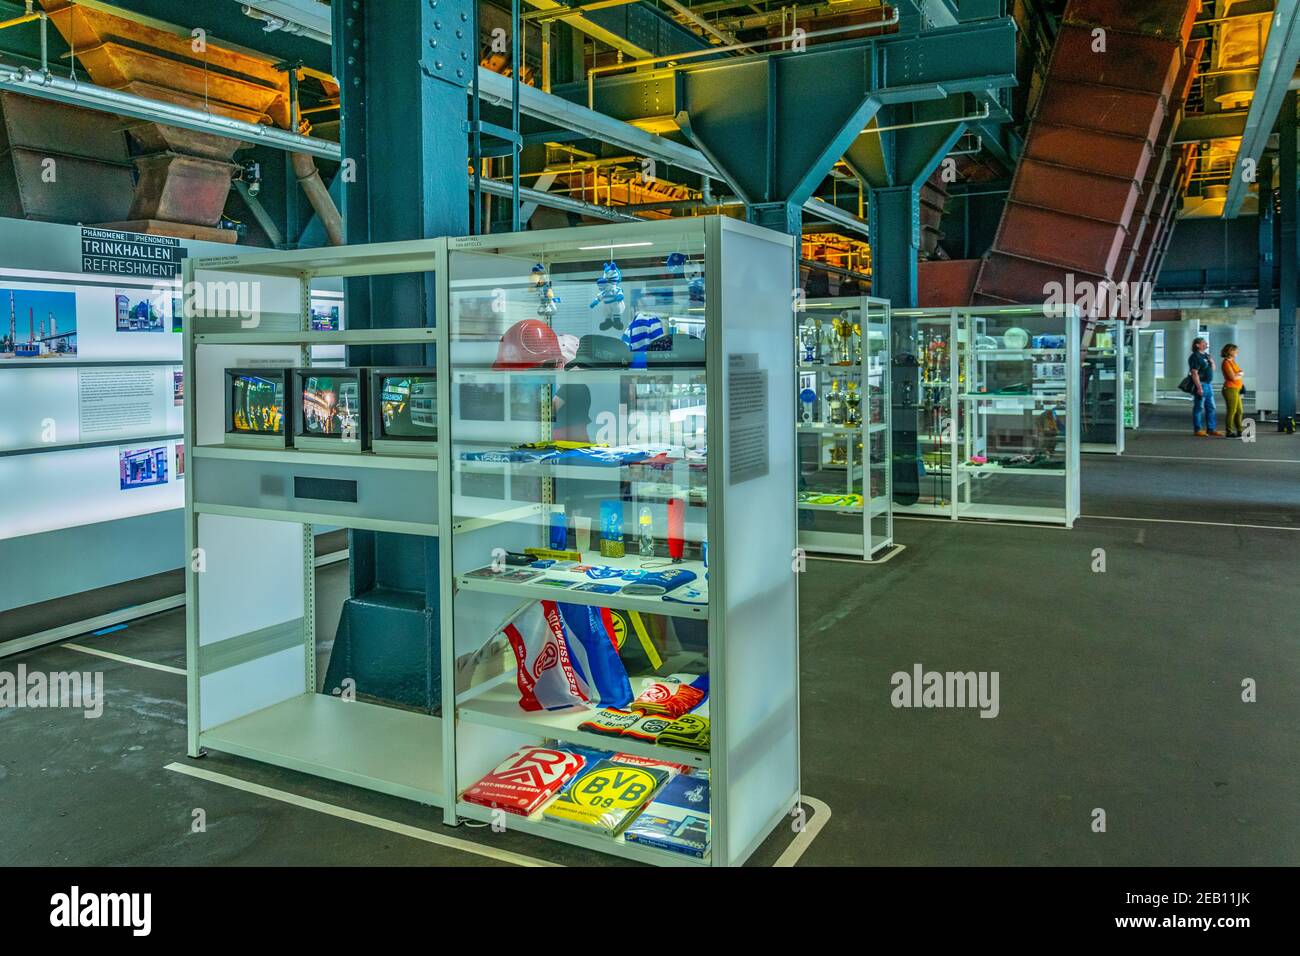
593,654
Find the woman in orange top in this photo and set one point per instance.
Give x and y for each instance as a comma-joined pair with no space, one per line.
1232,382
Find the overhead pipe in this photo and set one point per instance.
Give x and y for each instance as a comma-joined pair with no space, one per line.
984,114
682,10
29,17
495,187
88,96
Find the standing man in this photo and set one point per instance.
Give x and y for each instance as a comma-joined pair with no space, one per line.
1200,369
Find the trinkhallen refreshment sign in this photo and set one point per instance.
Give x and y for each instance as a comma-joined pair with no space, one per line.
105,252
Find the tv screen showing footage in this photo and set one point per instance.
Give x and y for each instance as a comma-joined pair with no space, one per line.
331,405
408,406
256,403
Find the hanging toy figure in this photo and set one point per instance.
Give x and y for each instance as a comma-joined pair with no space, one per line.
679,267
547,301
609,293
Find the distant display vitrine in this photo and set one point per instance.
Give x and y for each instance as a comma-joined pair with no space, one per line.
997,436
1103,387
620,431
843,406
1132,375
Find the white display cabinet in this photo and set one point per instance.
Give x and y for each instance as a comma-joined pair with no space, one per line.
1019,437
251,505
1132,376
998,430
1103,388
932,394
843,404
687,386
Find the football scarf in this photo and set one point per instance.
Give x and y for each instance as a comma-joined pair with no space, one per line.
671,696
609,722
525,780
565,655
690,732
593,650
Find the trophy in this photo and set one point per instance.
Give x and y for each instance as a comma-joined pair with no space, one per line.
809,341
806,399
853,405
840,341
835,404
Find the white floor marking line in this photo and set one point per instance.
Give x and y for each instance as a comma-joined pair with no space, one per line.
367,819
125,660
1208,524
1270,461
984,522
821,816
889,555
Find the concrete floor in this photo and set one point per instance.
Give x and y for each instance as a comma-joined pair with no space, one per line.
1119,690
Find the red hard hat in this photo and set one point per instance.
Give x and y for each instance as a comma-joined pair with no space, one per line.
527,344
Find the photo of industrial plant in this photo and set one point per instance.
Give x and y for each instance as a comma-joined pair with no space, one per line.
42,324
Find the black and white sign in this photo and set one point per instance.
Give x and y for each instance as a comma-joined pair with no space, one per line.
105,252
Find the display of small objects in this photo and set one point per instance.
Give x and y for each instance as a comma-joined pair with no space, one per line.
609,296
547,301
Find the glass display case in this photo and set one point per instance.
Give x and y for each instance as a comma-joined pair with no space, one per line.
1102,387
928,377
843,404
1132,376
1019,435
994,437
620,426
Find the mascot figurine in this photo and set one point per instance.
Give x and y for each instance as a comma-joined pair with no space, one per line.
609,293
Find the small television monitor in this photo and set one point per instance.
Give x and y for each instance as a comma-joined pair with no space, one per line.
255,407
329,409
404,411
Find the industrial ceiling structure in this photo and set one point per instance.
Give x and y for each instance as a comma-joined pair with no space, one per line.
928,149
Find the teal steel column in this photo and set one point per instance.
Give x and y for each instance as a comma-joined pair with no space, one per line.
894,224
403,68
1288,362
1267,256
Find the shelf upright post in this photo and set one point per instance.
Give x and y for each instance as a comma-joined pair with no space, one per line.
189,317
957,410
308,532
446,530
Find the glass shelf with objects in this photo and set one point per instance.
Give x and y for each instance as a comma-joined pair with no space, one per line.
843,407
1019,436
928,375
1132,375
619,426
1103,387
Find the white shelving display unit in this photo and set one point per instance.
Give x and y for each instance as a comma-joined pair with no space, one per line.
250,589
999,431
843,404
619,402
617,394
1132,376
1104,388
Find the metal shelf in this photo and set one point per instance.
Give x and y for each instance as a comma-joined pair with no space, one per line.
313,517
298,457
498,706
652,604
366,745
293,337
536,825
